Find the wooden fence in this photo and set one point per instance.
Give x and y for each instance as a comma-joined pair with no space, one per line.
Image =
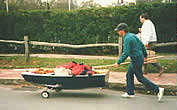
26,42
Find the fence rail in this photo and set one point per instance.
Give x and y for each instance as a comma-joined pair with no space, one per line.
81,46
26,43
72,46
165,44
61,45
12,41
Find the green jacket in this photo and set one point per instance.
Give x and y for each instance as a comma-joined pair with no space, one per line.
132,47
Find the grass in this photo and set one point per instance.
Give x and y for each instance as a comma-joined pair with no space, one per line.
19,62
36,62
166,54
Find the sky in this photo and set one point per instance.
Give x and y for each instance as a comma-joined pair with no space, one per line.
105,2
101,2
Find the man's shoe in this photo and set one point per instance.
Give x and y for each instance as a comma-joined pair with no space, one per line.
145,73
127,96
160,94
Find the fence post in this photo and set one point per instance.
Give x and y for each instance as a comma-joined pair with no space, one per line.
27,54
120,45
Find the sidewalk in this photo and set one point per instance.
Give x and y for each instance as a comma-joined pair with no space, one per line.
63,56
172,57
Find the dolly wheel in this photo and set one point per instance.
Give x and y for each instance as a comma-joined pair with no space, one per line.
45,94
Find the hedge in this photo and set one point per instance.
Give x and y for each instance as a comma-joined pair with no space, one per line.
85,26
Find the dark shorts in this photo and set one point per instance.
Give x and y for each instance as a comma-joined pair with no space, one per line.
151,45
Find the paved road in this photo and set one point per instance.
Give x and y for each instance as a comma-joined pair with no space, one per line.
87,99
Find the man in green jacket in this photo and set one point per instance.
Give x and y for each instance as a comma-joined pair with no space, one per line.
135,49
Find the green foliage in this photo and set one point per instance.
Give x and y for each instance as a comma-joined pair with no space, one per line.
86,26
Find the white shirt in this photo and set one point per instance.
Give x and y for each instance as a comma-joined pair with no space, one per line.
148,33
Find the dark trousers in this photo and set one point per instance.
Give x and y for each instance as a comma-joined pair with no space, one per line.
151,46
157,65
135,68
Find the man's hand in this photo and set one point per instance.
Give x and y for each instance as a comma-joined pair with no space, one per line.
145,59
139,30
146,45
116,65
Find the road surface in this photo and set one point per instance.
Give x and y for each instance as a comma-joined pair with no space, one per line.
87,99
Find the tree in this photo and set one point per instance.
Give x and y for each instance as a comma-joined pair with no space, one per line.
7,5
2,4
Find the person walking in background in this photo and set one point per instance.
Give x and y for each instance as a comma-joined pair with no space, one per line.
148,32
135,49
149,38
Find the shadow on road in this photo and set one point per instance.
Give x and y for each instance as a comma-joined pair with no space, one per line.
73,94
